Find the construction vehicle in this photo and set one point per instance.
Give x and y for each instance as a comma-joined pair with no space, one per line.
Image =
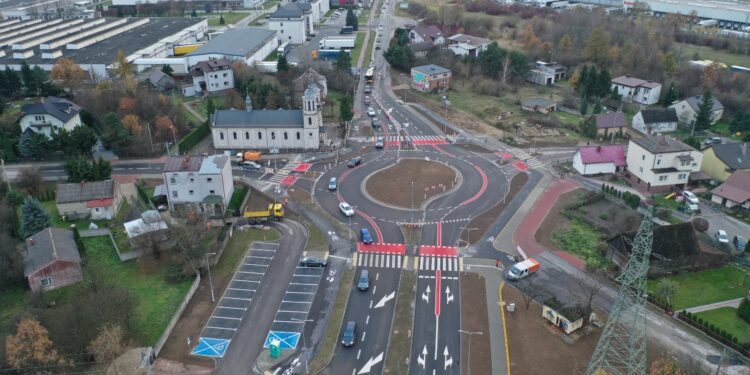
247,156
523,269
274,211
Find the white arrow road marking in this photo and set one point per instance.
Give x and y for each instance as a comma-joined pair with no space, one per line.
422,358
448,295
385,299
448,359
372,362
426,295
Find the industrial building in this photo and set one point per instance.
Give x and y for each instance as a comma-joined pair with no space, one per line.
733,15
250,45
94,43
26,10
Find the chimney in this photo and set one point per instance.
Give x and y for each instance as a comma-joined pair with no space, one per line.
248,103
185,161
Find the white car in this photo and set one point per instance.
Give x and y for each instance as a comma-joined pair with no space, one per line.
721,236
690,197
346,209
371,112
249,164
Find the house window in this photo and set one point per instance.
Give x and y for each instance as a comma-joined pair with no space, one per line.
96,209
286,136
260,135
643,157
225,75
299,136
39,118
47,281
172,180
221,135
234,135
247,135
309,134
211,191
658,161
684,163
174,194
273,135
640,169
209,179
682,176
190,192
662,178
226,83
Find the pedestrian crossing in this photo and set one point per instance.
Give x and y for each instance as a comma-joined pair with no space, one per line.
374,260
397,261
284,171
531,162
430,263
424,138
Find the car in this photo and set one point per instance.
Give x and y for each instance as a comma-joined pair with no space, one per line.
346,209
367,99
364,236
692,208
690,197
313,262
717,140
368,89
377,47
249,164
739,243
721,236
350,334
375,122
380,142
355,161
371,112
364,280
332,183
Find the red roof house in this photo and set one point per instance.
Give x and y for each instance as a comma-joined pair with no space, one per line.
599,160
735,191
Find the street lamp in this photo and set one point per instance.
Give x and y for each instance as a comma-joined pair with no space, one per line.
210,281
470,333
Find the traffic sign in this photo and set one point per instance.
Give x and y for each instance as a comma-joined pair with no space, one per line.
287,340
213,348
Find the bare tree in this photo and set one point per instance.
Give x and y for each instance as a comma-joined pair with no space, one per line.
590,287
530,292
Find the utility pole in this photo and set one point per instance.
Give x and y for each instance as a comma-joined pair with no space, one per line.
210,281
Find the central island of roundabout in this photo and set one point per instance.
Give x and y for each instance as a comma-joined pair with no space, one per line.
411,183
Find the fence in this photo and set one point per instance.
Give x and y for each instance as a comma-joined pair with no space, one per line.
193,138
176,316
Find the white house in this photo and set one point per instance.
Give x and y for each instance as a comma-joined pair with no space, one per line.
650,121
661,163
270,129
247,44
546,73
636,90
599,160
290,23
201,184
319,9
97,200
212,76
467,45
426,34
687,109
50,115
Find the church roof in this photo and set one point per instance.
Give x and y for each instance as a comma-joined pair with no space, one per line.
259,118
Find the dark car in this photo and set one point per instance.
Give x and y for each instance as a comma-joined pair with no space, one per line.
355,161
313,262
364,281
368,89
364,235
739,243
375,122
350,334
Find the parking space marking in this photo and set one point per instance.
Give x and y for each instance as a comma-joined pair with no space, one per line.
297,302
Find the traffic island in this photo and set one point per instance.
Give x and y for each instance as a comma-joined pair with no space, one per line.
411,183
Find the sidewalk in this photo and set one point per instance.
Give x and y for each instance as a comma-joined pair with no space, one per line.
716,305
505,240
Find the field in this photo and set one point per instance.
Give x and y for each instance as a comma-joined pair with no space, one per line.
726,319
708,53
701,288
229,18
581,239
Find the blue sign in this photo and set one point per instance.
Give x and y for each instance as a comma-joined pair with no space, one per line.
208,347
287,340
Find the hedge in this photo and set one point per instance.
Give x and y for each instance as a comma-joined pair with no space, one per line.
193,138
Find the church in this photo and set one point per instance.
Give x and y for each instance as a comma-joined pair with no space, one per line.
281,129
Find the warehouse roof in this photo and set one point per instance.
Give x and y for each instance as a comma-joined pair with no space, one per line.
236,42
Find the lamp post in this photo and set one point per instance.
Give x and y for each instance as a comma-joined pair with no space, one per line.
470,333
412,201
210,281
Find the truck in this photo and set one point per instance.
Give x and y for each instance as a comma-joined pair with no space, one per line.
347,30
283,49
522,269
324,54
338,42
242,157
274,211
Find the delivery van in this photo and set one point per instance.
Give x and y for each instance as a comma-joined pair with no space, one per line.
522,269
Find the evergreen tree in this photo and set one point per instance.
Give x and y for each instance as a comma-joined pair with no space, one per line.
671,95
3,85
351,19
113,134
584,107
282,65
402,58
583,82
343,62
166,69
27,76
101,170
604,83
194,14
81,169
221,20
210,109
14,85
345,108
33,218
597,107
703,117
740,122
33,145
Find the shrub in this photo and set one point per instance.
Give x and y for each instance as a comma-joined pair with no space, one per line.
743,311
193,138
604,217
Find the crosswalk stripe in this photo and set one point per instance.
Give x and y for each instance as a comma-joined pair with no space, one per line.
388,262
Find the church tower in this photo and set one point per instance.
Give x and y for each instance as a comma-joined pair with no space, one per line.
312,116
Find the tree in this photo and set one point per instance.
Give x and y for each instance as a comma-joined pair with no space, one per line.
740,122
566,43
78,141
123,67
194,14
113,134
351,19
666,289
68,73
345,108
30,180
530,293
703,117
108,344
343,62
34,218
597,46
33,145
29,81
693,142
164,129
81,169
671,95
663,366
167,69
584,107
13,83
191,245
31,347
133,124
588,127
669,63
210,108
597,107
529,39
221,20
400,56
282,65
590,287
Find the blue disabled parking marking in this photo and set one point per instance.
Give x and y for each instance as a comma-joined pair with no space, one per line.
288,340
208,347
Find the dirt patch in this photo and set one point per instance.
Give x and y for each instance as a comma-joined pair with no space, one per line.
487,218
393,185
474,319
257,201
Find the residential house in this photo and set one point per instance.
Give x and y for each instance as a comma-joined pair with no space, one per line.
150,224
212,76
270,129
97,200
50,115
467,45
426,34
720,161
546,73
735,191
661,163
637,90
567,318
198,184
291,23
540,105
599,160
430,78
651,121
51,260
160,81
687,109
422,49
299,85
319,9
610,123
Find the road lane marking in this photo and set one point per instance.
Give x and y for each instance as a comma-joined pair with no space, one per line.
437,310
363,336
367,321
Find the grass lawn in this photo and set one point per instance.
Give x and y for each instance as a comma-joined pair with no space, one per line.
331,109
708,53
316,240
331,338
368,50
229,18
726,319
364,16
567,118
580,239
400,342
12,303
671,203
358,47
238,245
201,106
270,4
700,288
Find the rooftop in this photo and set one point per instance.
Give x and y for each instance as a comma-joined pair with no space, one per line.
429,32
695,102
213,164
431,69
538,102
236,42
603,154
59,108
652,116
287,11
736,188
629,81
661,144
185,163
259,118
611,120
468,39
47,246
734,155
85,191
